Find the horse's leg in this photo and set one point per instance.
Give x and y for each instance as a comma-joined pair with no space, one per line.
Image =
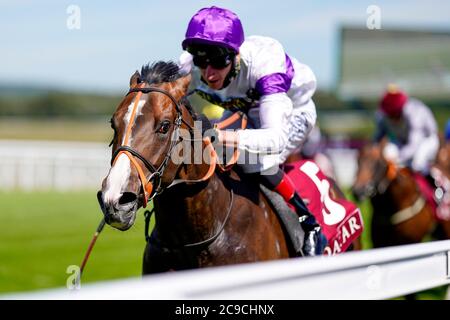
383,233
446,229
155,261
150,262
357,244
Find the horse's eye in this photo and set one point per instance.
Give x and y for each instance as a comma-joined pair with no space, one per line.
164,127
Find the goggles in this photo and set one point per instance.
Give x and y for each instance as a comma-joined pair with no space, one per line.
217,62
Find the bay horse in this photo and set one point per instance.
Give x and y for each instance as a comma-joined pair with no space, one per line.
401,214
203,217
221,220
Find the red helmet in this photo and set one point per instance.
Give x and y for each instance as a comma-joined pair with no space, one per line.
393,102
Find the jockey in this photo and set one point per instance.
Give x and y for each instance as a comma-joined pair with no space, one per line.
256,76
411,128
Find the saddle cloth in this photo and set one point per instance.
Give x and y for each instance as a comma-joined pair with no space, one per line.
340,219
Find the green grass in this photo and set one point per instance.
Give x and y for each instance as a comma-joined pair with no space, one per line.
43,233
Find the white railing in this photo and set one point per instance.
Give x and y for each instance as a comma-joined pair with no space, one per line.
372,274
34,165
31,165
345,165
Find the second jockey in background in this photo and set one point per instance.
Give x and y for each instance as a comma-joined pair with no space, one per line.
256,76
412,131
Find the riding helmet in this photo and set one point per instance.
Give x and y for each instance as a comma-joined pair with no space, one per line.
215,26
393,102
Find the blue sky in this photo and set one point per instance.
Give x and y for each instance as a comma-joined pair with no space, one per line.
117,38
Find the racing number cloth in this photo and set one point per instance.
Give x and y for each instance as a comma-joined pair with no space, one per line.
340,219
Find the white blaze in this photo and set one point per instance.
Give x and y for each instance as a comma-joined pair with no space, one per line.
119,174
118,177
127,117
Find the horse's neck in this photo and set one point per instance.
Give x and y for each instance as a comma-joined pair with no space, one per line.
403,190
191,212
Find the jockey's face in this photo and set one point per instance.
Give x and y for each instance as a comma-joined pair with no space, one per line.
215,77
214,62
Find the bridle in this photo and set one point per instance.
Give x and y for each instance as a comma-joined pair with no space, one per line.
384,174
155,172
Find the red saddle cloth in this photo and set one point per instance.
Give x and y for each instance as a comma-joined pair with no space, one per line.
340,219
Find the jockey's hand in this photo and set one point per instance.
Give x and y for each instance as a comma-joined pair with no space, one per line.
227,138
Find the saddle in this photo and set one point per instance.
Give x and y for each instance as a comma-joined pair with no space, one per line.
288,218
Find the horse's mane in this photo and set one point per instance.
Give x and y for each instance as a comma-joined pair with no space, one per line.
160,71
165,71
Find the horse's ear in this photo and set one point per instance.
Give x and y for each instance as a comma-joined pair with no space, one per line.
135,78
183,83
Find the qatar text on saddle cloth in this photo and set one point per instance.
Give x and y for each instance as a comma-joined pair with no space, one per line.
340,219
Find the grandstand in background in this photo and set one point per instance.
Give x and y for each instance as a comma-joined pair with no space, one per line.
416,60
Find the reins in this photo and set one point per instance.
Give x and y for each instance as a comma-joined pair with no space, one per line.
125,148
91,245
225,123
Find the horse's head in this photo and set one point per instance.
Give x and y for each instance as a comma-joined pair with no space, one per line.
147,125
372,171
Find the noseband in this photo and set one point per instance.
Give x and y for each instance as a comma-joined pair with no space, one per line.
155,173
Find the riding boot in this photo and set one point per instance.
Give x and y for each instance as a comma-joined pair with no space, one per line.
315,241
